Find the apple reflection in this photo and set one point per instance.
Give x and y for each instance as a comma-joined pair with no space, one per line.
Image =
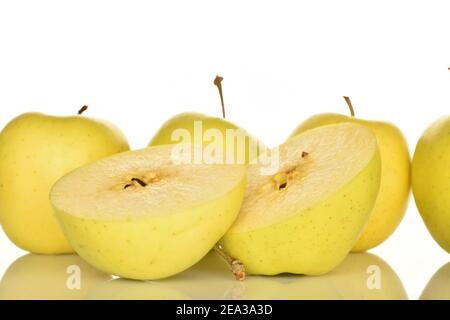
42,277
360,276
365,276
438,288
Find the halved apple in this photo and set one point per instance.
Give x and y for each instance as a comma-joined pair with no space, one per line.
141,215
307,217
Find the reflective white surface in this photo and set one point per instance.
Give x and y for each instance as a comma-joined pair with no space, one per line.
388,273
49,277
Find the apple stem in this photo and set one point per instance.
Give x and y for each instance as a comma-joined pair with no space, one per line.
350,106
235,265
218,84
82,109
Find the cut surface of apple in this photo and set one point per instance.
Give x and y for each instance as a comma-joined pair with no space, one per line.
139,215
393,195
305,218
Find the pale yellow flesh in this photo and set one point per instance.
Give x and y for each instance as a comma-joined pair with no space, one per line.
147,232
311,224
393,196
431,180
35,151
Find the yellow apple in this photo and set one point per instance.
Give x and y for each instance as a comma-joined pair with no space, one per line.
144,214
393,196
35,151
207,130
306,217
431,180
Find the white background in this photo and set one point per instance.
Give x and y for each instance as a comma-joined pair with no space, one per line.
137,63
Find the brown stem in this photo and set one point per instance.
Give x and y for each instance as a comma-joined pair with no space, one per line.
141,183
218,84
235,265
82,109
350,106
304,154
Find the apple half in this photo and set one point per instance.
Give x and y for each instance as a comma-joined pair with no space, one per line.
140,215
307,217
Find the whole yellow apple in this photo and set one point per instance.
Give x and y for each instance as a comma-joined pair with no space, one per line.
35,151
206,130
393,195
431,180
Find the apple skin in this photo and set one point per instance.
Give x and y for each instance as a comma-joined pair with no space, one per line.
320,246
393,195
152,229
186,121
153,247
35,151
431,180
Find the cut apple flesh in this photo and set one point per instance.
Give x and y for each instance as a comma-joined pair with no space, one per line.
306,217
139,215
311,169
